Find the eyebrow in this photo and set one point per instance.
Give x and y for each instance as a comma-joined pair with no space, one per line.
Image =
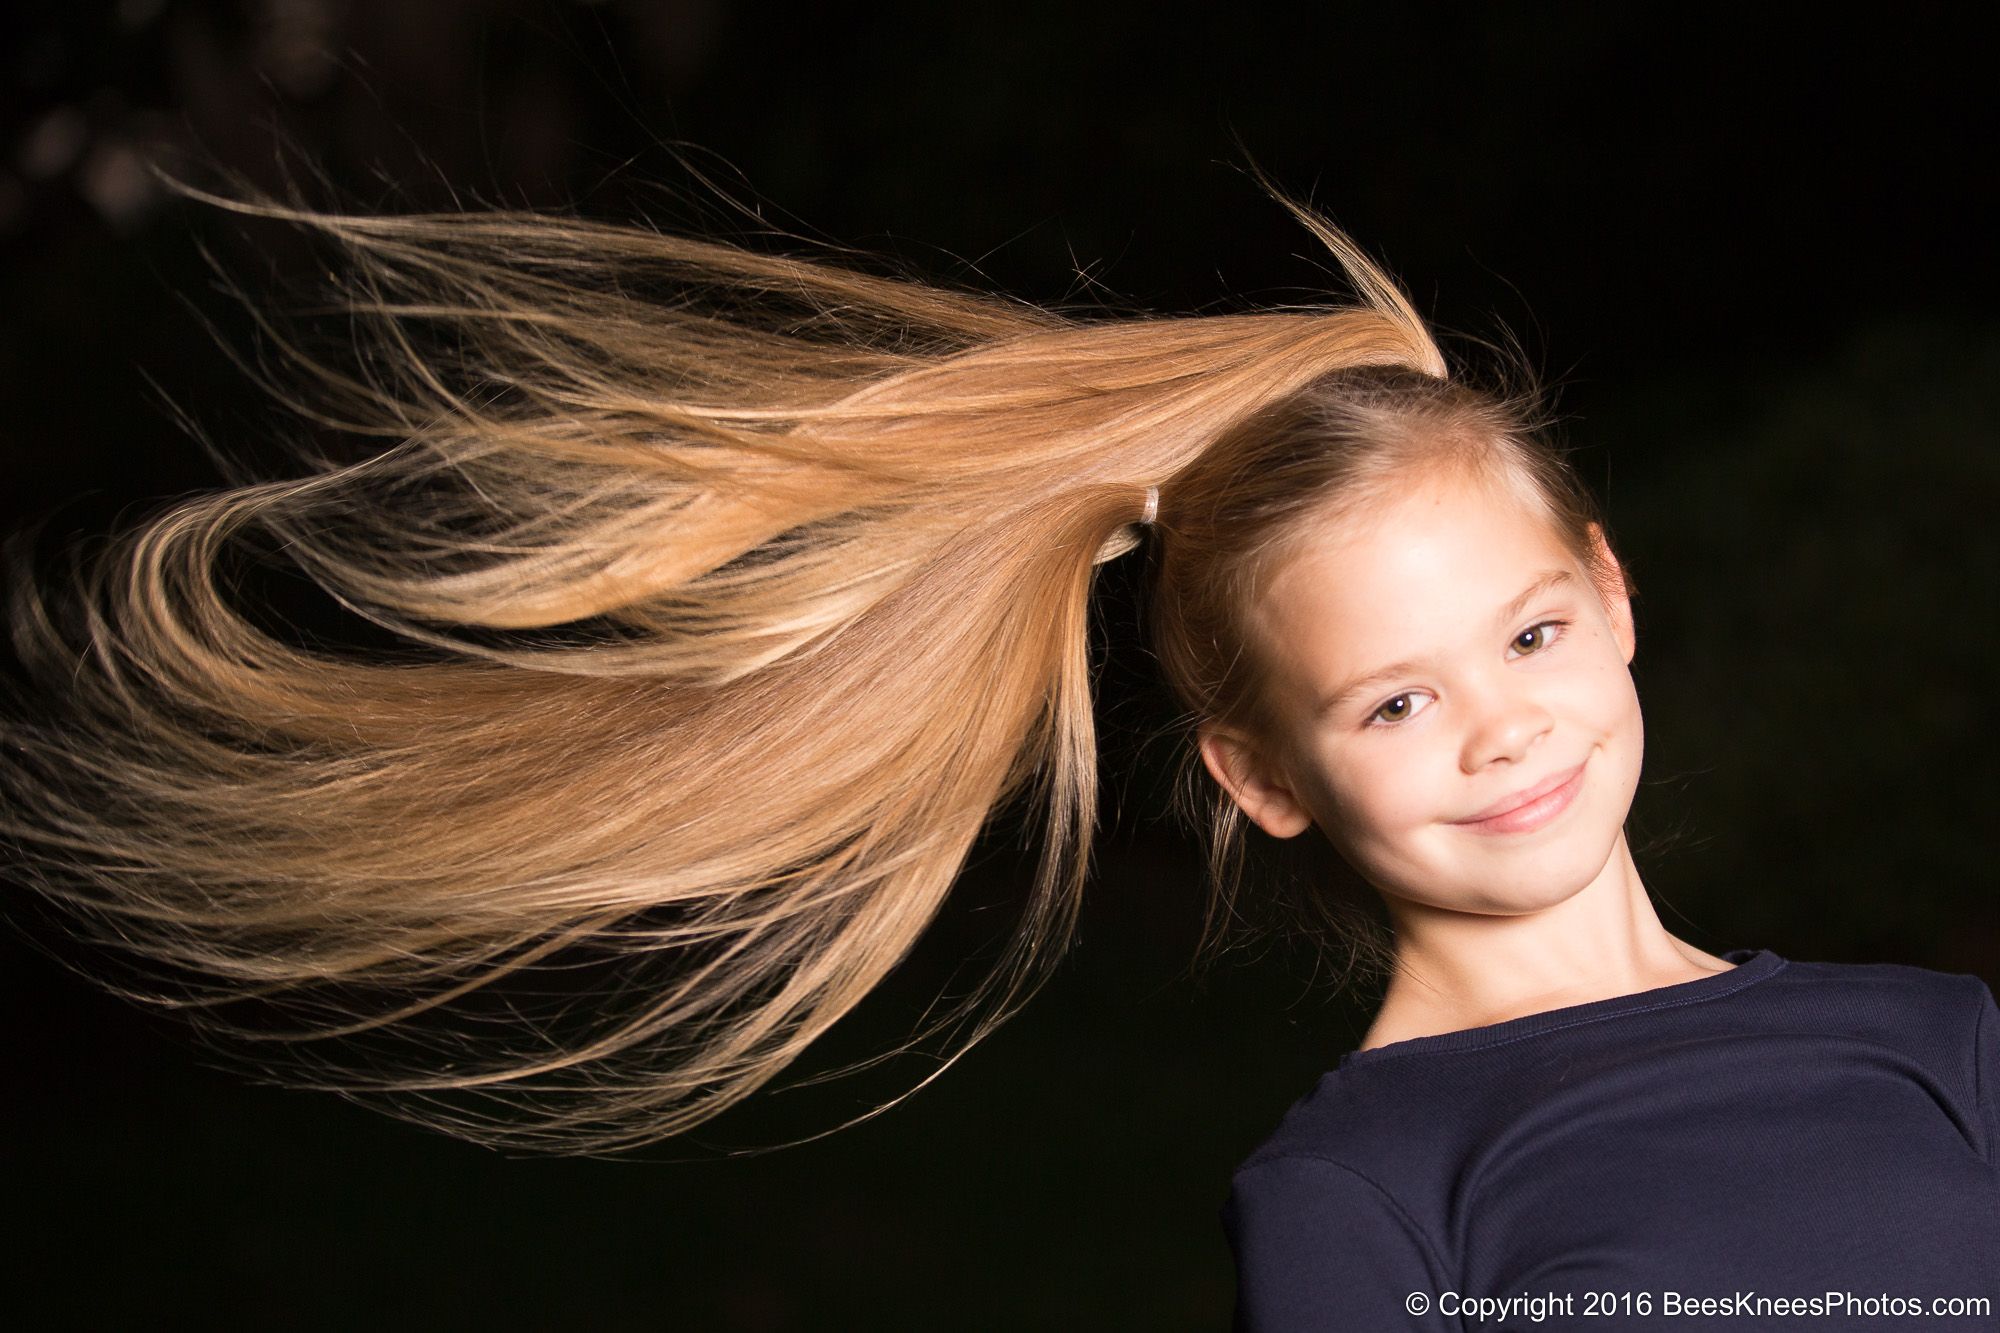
1547,581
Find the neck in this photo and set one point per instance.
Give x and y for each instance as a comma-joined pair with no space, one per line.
1457,970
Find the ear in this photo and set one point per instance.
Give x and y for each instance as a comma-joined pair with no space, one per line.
1261,792
1617,600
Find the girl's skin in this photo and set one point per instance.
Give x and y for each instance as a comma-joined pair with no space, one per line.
1495,699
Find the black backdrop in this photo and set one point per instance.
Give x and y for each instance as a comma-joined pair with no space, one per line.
1756,254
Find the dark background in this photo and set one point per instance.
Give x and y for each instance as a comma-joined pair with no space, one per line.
1755,254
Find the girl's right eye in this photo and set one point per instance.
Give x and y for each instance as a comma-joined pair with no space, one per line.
1395,710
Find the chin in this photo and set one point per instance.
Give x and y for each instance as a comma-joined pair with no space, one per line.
1519,877
1545,887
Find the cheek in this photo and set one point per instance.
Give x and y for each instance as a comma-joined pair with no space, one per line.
1379,794
1613,700
1604,686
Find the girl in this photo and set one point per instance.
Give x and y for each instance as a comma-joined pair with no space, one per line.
1561,1114
740,590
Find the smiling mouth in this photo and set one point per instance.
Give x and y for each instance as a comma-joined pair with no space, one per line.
1530,808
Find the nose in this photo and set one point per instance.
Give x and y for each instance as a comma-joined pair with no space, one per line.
1506,722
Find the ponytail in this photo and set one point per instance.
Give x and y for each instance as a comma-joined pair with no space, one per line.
739,591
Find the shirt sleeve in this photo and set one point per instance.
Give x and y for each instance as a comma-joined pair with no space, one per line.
1319,1246
1986,1071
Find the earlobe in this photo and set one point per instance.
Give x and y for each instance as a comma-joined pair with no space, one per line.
1268,803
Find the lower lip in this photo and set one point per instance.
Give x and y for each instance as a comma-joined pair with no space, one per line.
1529,817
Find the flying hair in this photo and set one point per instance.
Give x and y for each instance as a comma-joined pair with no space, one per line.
740,591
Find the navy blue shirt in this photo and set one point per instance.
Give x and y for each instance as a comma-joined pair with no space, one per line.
1781,1132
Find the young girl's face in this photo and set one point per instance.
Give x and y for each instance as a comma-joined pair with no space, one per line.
1443,658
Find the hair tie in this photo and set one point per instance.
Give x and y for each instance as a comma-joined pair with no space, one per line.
1152,504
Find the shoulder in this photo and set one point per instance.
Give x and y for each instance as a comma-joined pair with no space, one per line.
1889,999
1903,977
1320,1243
1308,1193
1342,1161
1945,1020
1336,1123
1270,1171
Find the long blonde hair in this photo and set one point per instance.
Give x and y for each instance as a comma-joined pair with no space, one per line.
742,590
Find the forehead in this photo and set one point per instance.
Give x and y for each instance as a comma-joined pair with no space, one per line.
1404,576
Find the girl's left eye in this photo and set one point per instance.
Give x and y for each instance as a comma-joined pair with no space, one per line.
1537,637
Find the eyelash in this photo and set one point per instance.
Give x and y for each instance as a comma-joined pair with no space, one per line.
1375,719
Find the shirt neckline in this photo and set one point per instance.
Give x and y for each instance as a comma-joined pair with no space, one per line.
1752,966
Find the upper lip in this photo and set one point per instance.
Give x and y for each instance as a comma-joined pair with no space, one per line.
1523,796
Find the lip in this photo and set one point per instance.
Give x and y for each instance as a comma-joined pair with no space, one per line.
1531,807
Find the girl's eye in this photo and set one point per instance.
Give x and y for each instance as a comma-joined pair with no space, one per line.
1396,709
1531,640
1537,637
